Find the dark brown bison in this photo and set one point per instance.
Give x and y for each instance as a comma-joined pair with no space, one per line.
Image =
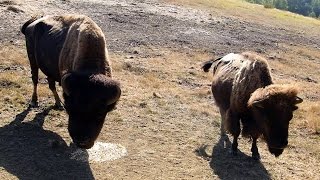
71,50
244,92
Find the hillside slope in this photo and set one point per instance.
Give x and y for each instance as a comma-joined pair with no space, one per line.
166,117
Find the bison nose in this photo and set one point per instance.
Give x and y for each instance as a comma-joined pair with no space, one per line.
284,143
84,143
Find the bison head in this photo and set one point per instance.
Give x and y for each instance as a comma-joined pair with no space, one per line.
88,99
272,109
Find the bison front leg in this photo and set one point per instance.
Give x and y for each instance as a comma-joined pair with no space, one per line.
233,126
254,149
234,147
52,87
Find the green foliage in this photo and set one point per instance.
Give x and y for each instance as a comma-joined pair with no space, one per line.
268,4
281,4
304,7
316,7
312,14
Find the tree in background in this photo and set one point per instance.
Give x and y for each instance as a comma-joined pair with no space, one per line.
316,7
268,4
304,7
256,1
281,4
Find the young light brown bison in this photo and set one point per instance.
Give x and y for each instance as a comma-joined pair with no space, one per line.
71,50
244,92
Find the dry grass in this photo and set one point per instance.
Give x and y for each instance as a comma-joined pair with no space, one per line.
298,64
11,55
255,13
310,111
175,76
300,67
15,78
9,2
165,75
166,108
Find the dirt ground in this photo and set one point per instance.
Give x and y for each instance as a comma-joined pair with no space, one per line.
166,117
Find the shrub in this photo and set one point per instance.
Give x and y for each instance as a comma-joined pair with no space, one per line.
268,6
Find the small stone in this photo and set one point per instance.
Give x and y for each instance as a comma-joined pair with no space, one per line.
135,52
15,9
157,95
143,104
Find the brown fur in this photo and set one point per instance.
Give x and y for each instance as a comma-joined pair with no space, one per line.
71,50
253,73
89,53
26,24
244,92
274,93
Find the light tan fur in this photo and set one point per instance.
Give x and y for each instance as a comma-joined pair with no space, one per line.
248,78
84,49
280,93
243,72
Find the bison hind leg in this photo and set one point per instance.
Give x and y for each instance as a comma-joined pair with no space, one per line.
233,126
223,135
223,122
35,75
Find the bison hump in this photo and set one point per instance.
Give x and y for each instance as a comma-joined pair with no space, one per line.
253,74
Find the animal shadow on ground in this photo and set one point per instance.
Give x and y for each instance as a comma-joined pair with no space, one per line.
27,151
228,166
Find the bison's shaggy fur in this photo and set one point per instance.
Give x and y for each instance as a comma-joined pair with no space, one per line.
244,92
71,50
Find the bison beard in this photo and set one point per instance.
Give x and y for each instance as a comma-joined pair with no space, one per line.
245,94
71,50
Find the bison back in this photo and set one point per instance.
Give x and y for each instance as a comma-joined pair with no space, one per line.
253,74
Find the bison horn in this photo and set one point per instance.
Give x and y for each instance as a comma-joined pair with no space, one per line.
65,83
258,104
298,100
114,91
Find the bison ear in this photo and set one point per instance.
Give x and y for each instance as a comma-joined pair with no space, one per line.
298,100
66,83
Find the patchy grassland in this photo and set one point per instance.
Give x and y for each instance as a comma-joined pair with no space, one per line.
297,64
166,116
255,13
168,99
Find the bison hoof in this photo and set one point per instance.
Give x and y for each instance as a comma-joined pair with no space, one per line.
233,152
223,136
58,107
33,104
256,157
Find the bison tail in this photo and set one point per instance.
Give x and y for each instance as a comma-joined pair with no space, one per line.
26,24
207,65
